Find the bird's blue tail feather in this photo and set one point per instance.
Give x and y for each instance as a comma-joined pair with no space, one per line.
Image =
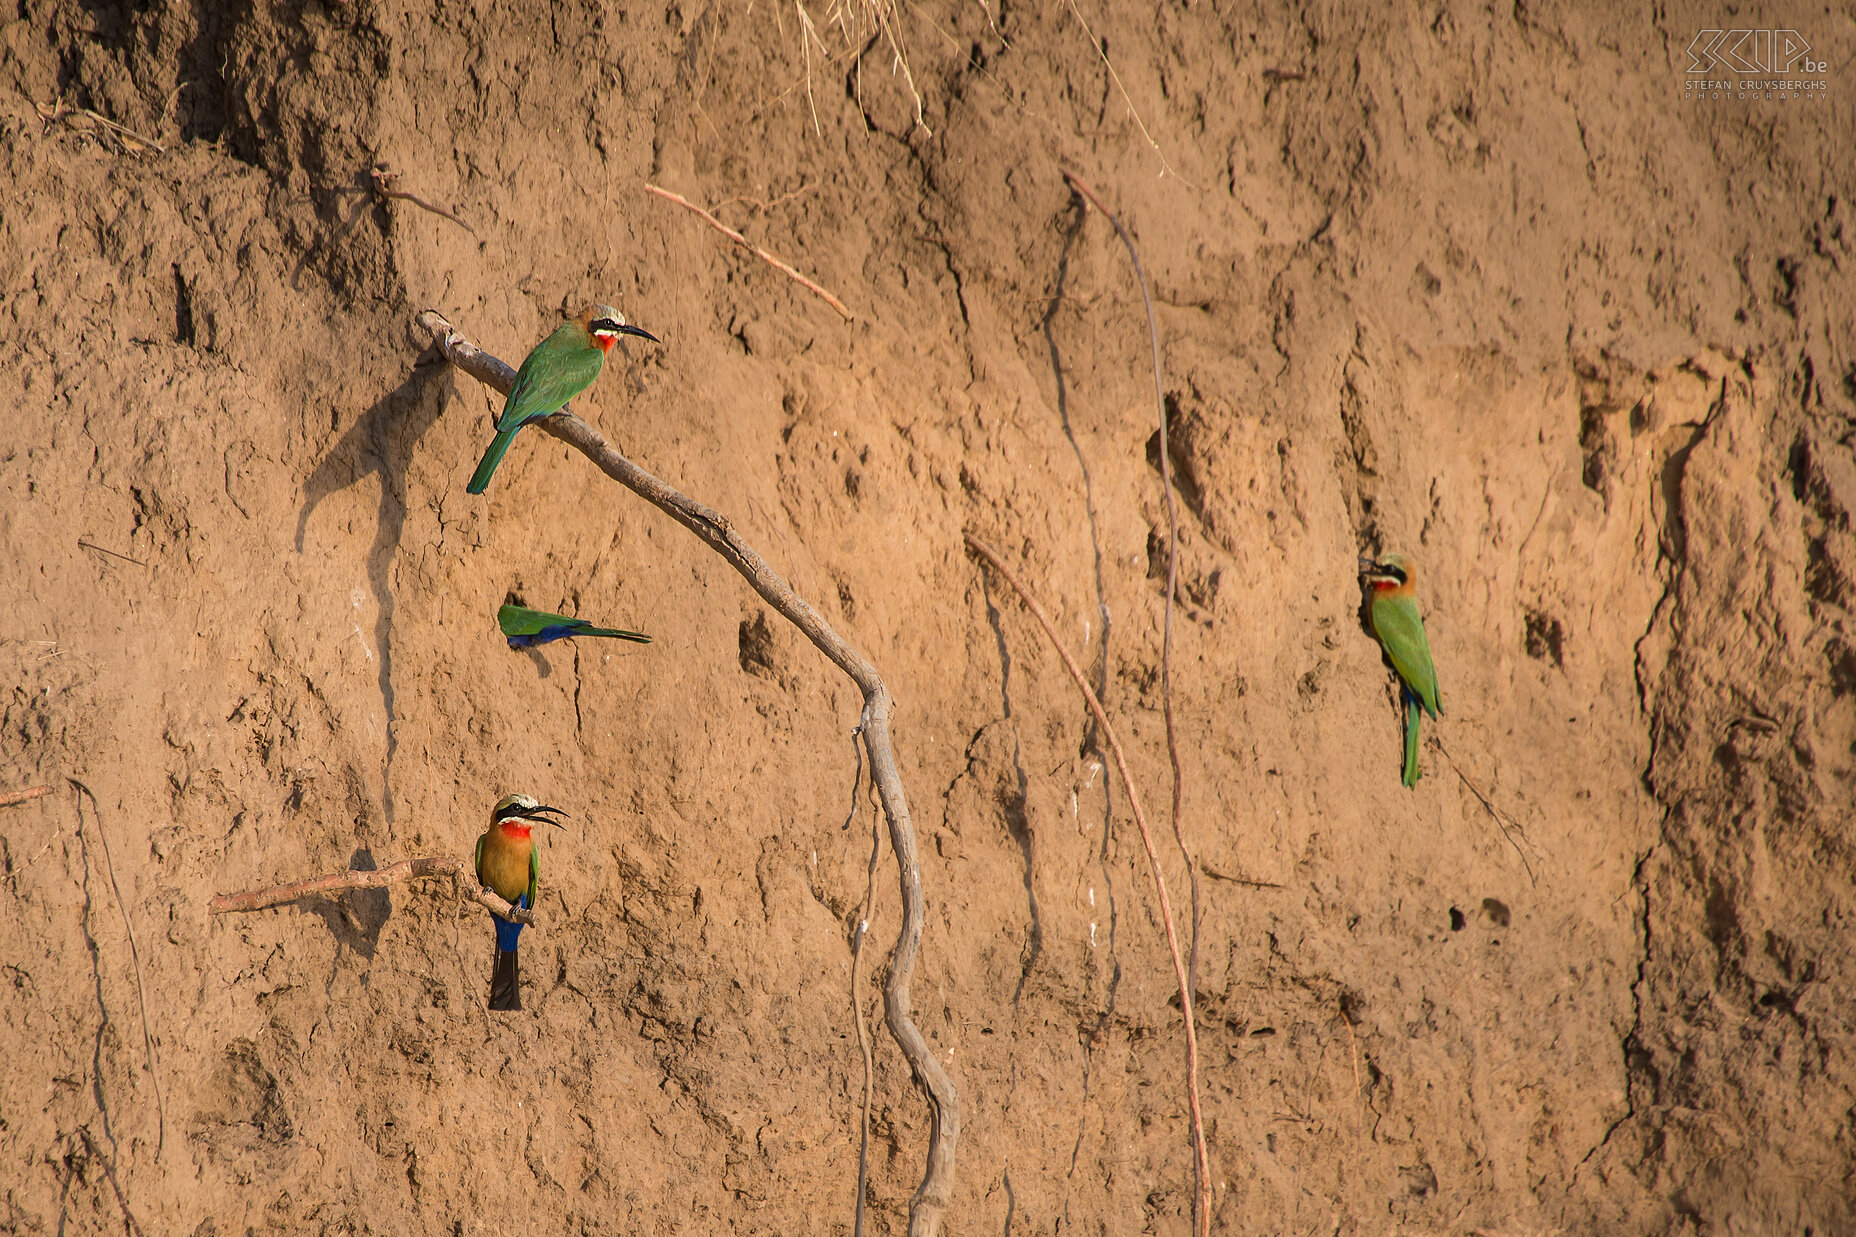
508,933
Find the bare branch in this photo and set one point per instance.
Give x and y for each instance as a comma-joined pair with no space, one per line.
1201,1159
931,1196
463,879
857,1000
743,241
9,797
383,176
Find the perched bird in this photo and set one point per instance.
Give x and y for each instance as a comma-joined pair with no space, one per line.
527,628
560,367
1393,612
509,866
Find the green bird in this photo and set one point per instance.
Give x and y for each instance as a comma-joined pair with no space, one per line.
509,866
560,367
1393,612
527,628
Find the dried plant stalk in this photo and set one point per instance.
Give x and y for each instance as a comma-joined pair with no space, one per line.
785,268
9,797
931,1196
1201,1158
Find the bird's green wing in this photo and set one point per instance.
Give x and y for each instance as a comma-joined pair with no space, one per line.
522,621
1396,623
477,859
560,367
534,874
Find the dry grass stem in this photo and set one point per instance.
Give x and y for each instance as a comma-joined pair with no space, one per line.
88,545
808,35
745,243
135,956
130,141
715,530
1201,1158
1508,826
1172,574
1166,169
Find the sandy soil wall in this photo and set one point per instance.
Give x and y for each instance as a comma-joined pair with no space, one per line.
1478,284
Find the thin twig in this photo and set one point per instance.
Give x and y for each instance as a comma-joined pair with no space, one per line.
1353,1048
9,797
463,879
382,176
1172,586
1248,881
1201,1158
857,1001
1508,826
135,956
714,529
113,554
743,241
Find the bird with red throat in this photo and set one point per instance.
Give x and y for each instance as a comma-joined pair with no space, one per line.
560,367
1393,612
509,865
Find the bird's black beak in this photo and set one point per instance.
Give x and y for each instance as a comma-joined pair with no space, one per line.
535,811
1366,564
612,326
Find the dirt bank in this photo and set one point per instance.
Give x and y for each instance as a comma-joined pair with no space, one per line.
1490,288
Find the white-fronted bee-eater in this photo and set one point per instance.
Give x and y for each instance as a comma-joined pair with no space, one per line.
525,628
1393,612
560,367
509,865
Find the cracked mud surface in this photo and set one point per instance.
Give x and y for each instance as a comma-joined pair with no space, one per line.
1482,288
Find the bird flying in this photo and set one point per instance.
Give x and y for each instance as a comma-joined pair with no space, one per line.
560,367
527,628
510,867
1393,612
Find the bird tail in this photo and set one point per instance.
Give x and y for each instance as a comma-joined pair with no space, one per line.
637,636
1413,712
505,984
480,480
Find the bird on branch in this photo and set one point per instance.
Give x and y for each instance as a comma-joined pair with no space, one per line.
560,367
509,865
